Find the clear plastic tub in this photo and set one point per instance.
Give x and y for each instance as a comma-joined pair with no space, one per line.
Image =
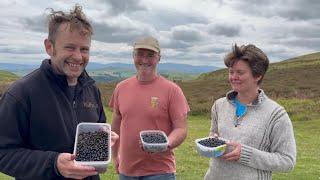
154,147
210,151
85,127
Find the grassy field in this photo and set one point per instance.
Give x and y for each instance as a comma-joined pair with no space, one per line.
294,83
191,166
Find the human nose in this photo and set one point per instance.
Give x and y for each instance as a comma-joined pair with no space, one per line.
145,59
77,54
233,76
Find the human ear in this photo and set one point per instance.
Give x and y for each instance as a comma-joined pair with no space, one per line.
49,47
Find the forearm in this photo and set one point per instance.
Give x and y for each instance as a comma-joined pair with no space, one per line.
281,156
177,136
115,126
214,123
268,161
26,163
15,159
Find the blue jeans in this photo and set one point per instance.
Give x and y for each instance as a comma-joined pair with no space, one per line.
167,176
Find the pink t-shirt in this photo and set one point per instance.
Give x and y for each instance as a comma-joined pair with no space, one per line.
146,106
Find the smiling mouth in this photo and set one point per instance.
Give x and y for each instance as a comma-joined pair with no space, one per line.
74,65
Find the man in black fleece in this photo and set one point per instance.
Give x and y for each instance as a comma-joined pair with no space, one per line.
39,113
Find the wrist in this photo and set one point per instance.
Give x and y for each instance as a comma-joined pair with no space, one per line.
55,166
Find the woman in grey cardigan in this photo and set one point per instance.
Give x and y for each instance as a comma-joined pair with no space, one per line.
259,130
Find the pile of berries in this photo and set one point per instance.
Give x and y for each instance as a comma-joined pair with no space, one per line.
212,142
154,138
93,146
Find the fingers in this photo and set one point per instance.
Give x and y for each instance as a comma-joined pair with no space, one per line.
234,155
114,138
72,157
68,169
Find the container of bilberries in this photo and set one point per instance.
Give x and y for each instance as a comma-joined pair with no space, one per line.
211,146
92,145
154,140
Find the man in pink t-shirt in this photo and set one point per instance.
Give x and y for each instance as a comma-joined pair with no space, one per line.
147,101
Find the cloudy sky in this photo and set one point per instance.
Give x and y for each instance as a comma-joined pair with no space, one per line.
196,32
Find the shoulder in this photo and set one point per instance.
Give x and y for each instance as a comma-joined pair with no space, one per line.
221,102
126,82
271,105
25,84
165,83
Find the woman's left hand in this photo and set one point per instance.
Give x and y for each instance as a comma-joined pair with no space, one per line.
234,155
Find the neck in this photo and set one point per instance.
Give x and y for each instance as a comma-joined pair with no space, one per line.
72,81
146,78
248,97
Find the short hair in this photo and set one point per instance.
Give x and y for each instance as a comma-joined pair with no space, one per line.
76,19
255,57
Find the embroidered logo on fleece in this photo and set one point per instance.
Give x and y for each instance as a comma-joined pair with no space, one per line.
154,102
90,105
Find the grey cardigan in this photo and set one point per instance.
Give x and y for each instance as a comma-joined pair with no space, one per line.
265,133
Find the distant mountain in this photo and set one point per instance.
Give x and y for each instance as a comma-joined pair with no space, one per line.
17,67
169,70
185,68
162,67
117,71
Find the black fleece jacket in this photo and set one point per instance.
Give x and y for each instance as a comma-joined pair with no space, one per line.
38,119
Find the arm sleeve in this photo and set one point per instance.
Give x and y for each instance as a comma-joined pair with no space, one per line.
282,155
178,108
113,103
17,159
214,120
102,115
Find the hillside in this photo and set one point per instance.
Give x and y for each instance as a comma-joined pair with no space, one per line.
294,78
6,76
172,71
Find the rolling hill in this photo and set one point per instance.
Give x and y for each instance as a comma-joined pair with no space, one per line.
293,78
297,77
117,71
6,76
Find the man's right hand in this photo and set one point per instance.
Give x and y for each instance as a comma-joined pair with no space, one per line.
67,168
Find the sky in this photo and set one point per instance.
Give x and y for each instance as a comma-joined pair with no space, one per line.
195,32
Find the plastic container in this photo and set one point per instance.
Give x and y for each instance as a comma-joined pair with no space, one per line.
154,147
85,127
210,151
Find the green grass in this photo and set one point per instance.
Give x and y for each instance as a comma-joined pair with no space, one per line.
191,166
295,85
6,76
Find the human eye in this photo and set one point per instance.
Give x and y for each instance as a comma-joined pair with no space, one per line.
151,55
85,50
241,72
139,54
70,48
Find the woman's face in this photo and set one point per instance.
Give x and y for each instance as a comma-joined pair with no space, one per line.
241,78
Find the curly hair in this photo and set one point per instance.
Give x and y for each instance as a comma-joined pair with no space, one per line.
255,57
76,19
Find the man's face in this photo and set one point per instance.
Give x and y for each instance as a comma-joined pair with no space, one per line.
69,53
146,62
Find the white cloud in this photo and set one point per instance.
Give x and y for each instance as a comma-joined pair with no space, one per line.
192,32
